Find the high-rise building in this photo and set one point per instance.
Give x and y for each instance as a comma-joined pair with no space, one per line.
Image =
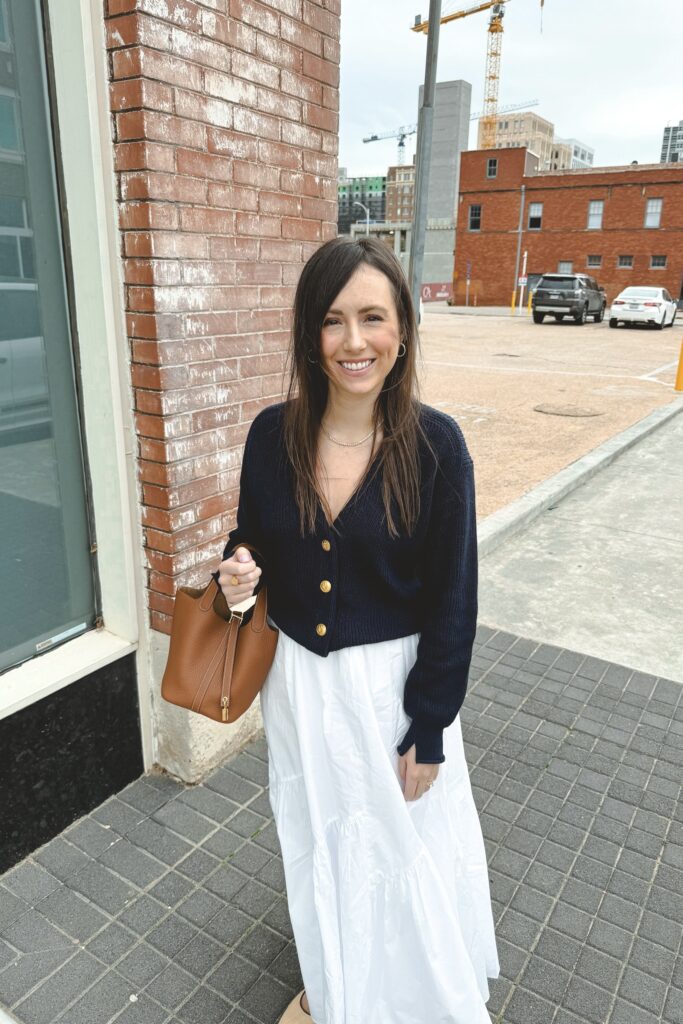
370,191
523,129
570,154
401,192
534,133
672,144
450,133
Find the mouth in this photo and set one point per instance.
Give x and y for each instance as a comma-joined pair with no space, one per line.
356,367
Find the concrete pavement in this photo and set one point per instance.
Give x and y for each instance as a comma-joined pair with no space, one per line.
600,571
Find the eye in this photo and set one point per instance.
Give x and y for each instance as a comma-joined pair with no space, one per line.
374,316
329,320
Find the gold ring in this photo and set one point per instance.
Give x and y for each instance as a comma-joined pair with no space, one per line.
234,581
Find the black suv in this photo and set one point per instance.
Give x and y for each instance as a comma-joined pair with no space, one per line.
575,295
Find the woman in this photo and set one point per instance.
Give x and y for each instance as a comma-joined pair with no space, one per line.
357,502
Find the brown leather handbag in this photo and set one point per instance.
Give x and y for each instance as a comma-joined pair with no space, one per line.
216,663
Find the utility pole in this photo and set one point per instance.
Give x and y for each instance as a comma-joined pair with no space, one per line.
424,146
520,228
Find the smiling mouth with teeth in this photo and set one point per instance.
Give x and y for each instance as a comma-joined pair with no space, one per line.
358,364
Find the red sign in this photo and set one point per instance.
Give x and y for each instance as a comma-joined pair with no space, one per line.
436,292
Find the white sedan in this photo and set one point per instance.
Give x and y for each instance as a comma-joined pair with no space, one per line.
636,305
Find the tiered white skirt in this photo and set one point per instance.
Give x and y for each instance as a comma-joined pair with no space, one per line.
389,899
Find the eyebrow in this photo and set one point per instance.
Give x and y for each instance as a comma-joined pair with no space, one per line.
365,309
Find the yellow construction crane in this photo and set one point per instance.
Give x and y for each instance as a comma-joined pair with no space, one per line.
493,52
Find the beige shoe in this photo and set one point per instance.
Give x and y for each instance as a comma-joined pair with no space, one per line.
295,1013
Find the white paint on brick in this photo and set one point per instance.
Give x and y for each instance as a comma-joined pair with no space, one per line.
235,90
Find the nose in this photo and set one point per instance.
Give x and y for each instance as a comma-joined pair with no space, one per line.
353,340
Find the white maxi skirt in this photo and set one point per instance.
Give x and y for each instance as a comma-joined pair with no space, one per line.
389,899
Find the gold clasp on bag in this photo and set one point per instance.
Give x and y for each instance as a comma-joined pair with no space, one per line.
225,704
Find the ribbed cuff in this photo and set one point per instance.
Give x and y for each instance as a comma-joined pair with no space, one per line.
428,742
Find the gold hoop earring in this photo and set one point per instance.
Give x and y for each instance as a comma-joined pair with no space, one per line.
405,349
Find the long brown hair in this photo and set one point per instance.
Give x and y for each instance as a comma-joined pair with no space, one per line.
397,408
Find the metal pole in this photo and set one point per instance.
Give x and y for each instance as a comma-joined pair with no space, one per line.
521,287
424,146
519,239
367,216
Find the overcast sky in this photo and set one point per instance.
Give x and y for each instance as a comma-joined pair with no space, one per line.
604,71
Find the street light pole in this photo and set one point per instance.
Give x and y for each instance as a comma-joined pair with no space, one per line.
367,216
424,147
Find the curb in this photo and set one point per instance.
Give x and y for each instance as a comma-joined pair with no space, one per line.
513,518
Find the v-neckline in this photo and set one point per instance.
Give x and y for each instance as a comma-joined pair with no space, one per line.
359,487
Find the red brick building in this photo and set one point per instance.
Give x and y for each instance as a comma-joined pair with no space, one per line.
621,225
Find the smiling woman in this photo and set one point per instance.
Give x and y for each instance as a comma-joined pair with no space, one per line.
359,500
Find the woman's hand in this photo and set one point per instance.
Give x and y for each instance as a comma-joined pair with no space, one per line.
416,777
241,566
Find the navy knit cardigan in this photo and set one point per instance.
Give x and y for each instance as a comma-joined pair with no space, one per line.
354,584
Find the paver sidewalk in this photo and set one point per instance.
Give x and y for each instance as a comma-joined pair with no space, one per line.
167,903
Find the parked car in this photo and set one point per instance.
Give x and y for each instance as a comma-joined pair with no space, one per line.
575,295
642,305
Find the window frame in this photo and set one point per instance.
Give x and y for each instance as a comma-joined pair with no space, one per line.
658,266
80,114
562,265
593,257
492,165
538,217
625,266
660,208
592,213
471,216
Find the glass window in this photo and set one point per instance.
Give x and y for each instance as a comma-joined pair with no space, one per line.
535,216
475,218
653,213
565,267
4,35
492,168
9,122
594,261
657,262
595,209
46,565
625,262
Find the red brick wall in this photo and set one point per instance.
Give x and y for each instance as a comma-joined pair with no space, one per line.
225,131
563,236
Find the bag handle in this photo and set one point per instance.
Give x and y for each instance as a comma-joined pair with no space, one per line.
234,625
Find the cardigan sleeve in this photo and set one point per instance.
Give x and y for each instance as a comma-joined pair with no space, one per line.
247,528
437,682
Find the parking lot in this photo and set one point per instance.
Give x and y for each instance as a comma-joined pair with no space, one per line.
532,398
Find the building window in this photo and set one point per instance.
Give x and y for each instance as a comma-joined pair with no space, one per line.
625,262
594,261
492,168
535,216
595,208
653,213
657,262
43,509
565,267
475,217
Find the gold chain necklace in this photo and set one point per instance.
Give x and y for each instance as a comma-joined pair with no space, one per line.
347,444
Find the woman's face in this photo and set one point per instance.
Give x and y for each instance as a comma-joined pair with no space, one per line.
361,329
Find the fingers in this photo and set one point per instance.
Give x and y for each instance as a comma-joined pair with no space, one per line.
417,778
238,576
